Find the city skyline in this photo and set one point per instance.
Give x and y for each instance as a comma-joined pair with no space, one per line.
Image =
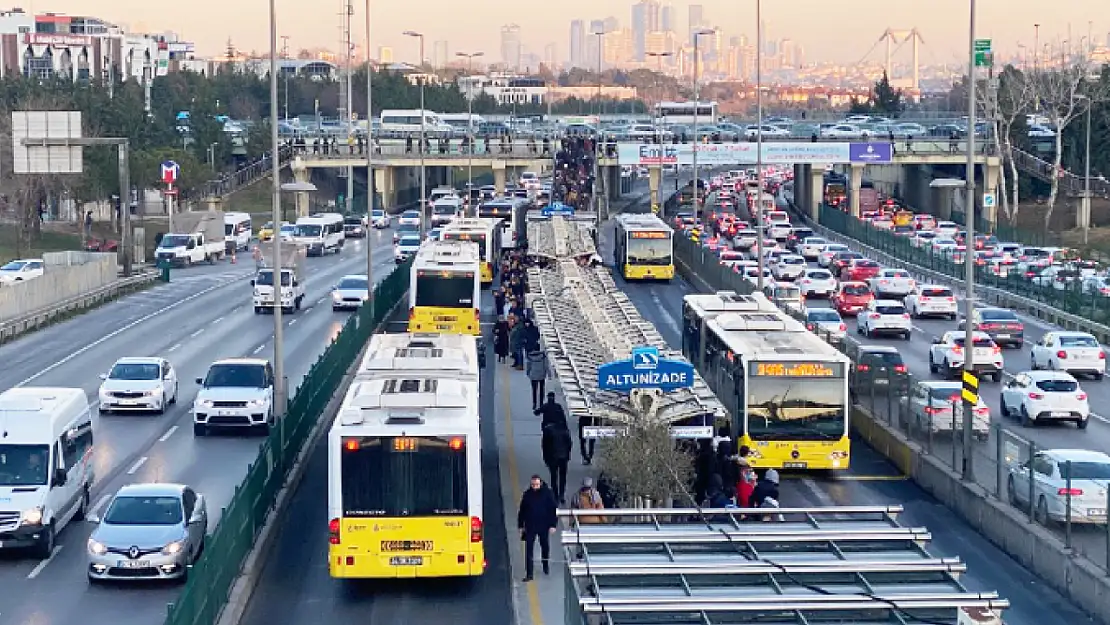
807,22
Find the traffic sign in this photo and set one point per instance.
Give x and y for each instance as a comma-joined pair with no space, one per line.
984,56
989,200
170,171
970,391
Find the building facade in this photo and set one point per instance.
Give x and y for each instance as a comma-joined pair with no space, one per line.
578,43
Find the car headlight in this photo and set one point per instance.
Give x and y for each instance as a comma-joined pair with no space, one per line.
96,548
205,403
258,292
32,516
336,297
256,402
173,548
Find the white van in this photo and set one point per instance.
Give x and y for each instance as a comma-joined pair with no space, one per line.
320,233
415,121
445,209
46,467
237,231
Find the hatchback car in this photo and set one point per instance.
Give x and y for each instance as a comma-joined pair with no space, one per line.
817,282
852,297
409,218
350,292
826,323
1078,353
937,405
884,317
878,366
1054,487
149,531
138,384
1039,396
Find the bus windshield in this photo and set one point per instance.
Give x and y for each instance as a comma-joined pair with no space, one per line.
453,290
649,251
795,409
384,476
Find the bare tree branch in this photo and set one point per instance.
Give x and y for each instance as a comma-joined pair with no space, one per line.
1005,102
645,463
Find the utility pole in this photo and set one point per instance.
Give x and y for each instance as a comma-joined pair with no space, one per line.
759,140
369,167
968,472
285,55
423,119
349,122
470,56
698,34
275,176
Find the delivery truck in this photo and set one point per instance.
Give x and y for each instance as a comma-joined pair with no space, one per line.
196,237
292,280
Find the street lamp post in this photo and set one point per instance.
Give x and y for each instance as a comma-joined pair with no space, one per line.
759,140
423,115
1086,205
348,124
969,248
598,188
275,164
657,199
470,56
369,168
697,104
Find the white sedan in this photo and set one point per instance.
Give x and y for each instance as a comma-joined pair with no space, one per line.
832,249
932,300
811,247
1074,352
1038,396
1090,473
843,131
138,384
893,283
409,218
817,282
789,267
350,292
884,317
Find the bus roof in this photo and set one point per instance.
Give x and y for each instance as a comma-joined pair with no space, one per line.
471,224
418,404
398,355
447,254
709,305
765,336
642,221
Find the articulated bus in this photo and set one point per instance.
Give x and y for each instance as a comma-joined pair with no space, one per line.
404,467
786,388
511,211
486,233
644,247
445,288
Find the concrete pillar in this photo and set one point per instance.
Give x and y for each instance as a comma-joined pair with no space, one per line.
301,174
991,174
942,199
213,203
855,181
613,184
384,184
655,177
499,176
816,189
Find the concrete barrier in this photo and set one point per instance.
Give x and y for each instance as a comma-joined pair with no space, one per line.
66,275
11,328
1037,549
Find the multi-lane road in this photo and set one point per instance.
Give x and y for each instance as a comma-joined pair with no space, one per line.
202,315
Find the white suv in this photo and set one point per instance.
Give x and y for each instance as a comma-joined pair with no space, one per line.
947,355
932,300
884,316
1035,396
236,393
789,267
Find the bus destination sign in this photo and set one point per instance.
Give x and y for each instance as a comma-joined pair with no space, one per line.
645,234
798,369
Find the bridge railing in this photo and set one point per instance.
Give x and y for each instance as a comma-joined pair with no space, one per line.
1070,183
243,177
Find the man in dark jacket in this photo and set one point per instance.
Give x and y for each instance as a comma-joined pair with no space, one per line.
552,412
557,445
536,520
585,445
766,488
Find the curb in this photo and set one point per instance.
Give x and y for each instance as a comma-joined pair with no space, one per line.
242,589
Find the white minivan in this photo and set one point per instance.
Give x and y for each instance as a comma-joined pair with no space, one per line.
320,233
46,464
237,231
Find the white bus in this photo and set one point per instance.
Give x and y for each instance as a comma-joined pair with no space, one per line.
237,231
446,288
320,233
670,113
511,211
409,122
404,458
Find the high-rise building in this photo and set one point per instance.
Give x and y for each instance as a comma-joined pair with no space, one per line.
667,18
695,20
577,43
659,42
610,24
440,56
511,46
786,54
589,59
550,60
645,19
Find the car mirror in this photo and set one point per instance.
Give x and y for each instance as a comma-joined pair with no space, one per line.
936,340
103,376
252,283
200,380
92,518
59,477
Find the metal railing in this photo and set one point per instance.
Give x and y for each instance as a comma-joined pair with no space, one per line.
1070,183
433,148
12,328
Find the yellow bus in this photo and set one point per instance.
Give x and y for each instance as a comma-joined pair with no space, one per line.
644,247
786,389
483,231
404,468
445,288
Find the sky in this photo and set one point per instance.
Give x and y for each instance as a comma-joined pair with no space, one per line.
831,31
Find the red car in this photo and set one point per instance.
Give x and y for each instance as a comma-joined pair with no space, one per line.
861,270
842,260
852,297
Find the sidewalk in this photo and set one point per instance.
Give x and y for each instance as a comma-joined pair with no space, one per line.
518,441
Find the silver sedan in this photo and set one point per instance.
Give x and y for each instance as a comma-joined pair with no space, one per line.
149,531
350,292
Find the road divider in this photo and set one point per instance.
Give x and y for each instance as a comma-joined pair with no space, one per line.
924,441
225,569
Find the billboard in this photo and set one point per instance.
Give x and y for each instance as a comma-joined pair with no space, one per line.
783,152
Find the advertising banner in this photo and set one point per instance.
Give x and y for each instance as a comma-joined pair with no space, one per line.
774,153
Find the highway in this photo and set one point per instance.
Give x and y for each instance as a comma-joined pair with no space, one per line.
202,315
874,481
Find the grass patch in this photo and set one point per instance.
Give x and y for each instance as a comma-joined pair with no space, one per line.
47,242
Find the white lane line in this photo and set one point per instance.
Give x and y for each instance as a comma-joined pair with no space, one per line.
319,301
174,348
292,321
217,320
35,572
822,497
917,329
197,333
259,348
100,503
138,465
165,437
114,333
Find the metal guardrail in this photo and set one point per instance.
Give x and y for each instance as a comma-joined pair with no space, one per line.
34,319
448,148
1070,183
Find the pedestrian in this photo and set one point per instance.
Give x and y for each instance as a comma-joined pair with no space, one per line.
715,496
537,370
705,466
259,261
586,445
501,339
745,486
516,345
531,336
551,411
588,498
766,488
557,445
536,520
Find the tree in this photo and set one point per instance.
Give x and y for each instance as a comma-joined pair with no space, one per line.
884,100
643,463
1007,106
1065,93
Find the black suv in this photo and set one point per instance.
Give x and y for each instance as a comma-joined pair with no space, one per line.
878,366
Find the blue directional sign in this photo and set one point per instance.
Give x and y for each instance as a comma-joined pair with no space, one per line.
645,369
557,209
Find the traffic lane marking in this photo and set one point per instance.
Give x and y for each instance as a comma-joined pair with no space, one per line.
35,572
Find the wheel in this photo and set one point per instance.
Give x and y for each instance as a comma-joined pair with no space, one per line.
83,507
932,366
1041,516
335,309
859,329
906,336
288,310
161,408
1032,362
1011,491
952,317
104,410
1082,423
45,546
1019,344
199,429
1097,376
1002,409
1026,420
173,398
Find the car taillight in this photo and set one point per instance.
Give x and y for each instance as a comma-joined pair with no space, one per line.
809,326
956,349
1074,492
864,367
1081,396
475,529
843,327
905,315
987,326
934,410
333,532
899,368
982,411
1036,395
951,299
997,350
874,315
1061,354
1102,355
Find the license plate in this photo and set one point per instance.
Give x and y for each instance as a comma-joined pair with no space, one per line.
225,413
1002,336
1096,511
1061,414
406,561
443,326
795,465
133,564
128,402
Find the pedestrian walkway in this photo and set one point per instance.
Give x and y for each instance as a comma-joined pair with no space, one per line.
518,440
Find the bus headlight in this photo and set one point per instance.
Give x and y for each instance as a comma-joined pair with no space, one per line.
32,516
838,455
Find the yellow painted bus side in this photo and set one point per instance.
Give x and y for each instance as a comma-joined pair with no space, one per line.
407,548
807,455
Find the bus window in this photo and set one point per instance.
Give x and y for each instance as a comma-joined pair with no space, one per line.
386,476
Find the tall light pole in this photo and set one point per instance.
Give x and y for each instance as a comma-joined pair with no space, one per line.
423,169
969,247
759,140
275,175
349,122
1087,174
697,104
470,56
369,166
600,34
597,190
657,200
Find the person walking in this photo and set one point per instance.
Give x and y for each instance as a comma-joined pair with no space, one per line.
557,445
551,411
537,370
586,445
501,339
536,520
516,344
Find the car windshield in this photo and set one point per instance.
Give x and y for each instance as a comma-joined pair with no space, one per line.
1078,341
998,315
308,230
945,394
856,289
826,314
814,241
265,277
405,228
410,242
897,274
444,209
352,284
236,375
15,265
936,293
135,371
835,248
1057,385
23,465
1086,470
979,342
174,240
819,275
885,358
352,221
410,215
891,309
144,511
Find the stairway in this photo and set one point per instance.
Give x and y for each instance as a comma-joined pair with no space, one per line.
242,178
1070,183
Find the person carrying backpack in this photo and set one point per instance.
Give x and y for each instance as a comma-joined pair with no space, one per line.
588,498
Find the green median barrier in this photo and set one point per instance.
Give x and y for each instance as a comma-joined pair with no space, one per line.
227,547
